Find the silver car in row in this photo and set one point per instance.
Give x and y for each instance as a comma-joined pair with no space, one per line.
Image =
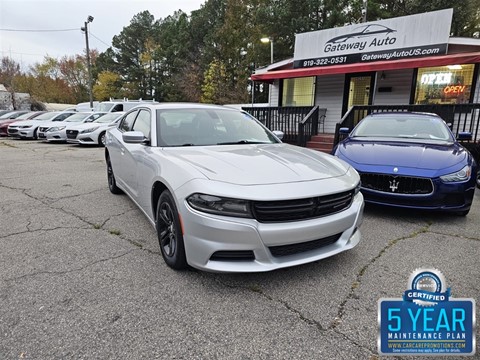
92,133
225,194
55,131
28,129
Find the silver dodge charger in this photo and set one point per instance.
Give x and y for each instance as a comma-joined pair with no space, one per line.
226,195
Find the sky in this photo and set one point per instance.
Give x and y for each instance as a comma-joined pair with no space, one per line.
110,17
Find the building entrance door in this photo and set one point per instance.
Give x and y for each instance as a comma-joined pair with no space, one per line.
358,90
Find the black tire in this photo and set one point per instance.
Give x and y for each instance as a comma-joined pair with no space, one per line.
478,179
35,137
101,139
112,184
169,232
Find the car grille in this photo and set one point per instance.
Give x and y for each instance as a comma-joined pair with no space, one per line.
233,255
72,134
301,209
12,131
286,250
397,184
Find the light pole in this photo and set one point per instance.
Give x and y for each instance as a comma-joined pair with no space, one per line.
89,69
364,11
269,40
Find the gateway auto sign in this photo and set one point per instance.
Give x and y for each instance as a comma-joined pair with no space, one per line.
392,39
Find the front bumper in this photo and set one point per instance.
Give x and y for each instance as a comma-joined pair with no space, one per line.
206,235
60,135
88,138
455,196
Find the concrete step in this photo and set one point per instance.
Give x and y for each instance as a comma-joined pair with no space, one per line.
328,138
321,146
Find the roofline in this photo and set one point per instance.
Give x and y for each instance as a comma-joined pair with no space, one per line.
410,63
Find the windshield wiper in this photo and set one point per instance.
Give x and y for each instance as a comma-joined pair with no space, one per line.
188,144
242,142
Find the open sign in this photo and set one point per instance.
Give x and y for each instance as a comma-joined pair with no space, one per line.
454,89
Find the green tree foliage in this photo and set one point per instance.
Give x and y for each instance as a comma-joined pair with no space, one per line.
9,69
129,55
108,85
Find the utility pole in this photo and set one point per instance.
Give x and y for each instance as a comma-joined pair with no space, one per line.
89,67
364,11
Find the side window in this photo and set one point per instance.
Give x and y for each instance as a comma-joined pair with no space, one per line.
127,121
62,117
143,122
118,107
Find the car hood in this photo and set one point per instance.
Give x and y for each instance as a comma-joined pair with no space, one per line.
258,164
83,126
27,122
404,154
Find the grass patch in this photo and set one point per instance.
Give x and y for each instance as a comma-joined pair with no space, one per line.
115,232
97,226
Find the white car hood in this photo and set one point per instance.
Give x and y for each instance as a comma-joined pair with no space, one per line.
88,125
50,124
258,164
31,122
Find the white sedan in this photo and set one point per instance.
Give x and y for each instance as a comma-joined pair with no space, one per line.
56,132
225,194
92,133
28,129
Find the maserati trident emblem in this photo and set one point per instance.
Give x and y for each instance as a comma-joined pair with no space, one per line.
394,185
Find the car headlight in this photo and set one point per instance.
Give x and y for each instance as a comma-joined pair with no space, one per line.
89,130
220,206
357,188
25,126
461,175
56,128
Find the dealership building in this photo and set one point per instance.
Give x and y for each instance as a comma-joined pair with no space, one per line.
404,60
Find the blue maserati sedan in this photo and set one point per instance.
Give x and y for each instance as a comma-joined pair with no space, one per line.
410,160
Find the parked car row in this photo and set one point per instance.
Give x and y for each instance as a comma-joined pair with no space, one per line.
66,126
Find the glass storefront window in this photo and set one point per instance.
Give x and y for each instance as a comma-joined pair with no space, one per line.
450,84
298,91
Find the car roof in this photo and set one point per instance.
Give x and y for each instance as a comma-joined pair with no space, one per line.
404,114
184,105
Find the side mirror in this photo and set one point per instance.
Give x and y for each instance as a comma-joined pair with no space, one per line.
464,136
133,137
344,131
279,134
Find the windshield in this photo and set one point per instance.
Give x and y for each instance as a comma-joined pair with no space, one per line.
415,127
104,107
108,118
24,116
47,116
8,115
77,117
191,127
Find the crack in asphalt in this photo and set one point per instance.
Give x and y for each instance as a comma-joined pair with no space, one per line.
68,271
258,290
455,235
358,280
49,202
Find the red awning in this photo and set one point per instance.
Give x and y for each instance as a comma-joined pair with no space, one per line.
461,58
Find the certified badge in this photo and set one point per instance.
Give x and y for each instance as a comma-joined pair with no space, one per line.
427,320
426,288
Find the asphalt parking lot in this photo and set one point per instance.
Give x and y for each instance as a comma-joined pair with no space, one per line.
81,275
